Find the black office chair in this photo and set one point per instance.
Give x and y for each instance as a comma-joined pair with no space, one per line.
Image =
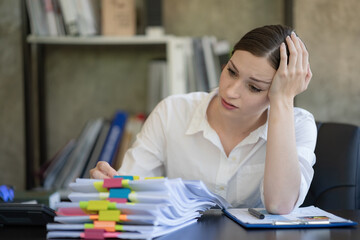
336,182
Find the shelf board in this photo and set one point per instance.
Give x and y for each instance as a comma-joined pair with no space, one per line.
99,40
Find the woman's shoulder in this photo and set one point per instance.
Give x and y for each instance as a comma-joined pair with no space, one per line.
303,116
188,99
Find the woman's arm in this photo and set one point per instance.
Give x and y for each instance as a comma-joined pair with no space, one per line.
282,176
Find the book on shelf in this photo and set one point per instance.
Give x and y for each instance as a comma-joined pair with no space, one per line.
88,17
56,164
157,83
37,17
132,128
118,17
69,14
78,158
95,154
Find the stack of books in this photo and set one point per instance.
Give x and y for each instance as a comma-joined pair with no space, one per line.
130,207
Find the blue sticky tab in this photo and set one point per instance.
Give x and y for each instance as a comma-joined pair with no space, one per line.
125,177
119,192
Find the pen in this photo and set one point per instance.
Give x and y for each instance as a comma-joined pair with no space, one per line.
256,213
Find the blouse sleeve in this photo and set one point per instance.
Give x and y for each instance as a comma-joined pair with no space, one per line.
305,134
146,157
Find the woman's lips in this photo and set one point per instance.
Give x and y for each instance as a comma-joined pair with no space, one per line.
227,105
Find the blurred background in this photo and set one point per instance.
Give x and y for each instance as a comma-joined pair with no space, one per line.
84,81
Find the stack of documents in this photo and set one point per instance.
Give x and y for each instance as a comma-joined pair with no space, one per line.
130,207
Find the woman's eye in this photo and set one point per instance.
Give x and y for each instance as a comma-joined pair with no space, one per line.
231,72
254,89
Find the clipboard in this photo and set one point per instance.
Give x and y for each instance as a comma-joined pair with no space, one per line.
308,217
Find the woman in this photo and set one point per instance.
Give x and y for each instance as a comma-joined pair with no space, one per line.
245,140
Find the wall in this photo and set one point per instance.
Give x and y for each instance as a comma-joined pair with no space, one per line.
331,30
12,156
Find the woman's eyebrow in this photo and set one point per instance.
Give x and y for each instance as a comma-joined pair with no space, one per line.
262,81
233,65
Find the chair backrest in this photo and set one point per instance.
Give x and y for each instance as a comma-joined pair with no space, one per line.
336,182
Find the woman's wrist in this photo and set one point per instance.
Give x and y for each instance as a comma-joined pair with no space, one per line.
282,102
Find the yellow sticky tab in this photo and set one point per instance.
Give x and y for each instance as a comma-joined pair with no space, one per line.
88,225
119,228
136,177
83,204
97,205
99,186
125,183
112,206
147,178
109,215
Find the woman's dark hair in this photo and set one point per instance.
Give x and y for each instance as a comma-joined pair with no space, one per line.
265,42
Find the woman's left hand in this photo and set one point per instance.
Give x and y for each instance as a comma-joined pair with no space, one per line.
294,77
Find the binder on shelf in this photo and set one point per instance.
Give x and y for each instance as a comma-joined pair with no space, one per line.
113,138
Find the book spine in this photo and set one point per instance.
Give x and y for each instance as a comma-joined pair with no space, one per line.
113,138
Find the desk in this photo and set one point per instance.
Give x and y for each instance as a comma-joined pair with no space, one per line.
213,225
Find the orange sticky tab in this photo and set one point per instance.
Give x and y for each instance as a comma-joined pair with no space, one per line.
94,217
122,217
108,226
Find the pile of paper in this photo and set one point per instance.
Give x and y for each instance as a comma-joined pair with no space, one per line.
129,207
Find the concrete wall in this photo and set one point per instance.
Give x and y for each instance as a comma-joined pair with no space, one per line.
331,30
12,156
83,82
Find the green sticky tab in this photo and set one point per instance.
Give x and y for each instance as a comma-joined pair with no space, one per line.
97,205
112,206
88,225
83,204
119,228
99,186
125,183
109,215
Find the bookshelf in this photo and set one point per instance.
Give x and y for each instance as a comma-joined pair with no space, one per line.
34,55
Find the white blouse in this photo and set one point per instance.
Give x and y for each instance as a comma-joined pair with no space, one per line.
177,141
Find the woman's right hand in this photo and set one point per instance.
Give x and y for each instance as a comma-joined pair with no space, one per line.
103,170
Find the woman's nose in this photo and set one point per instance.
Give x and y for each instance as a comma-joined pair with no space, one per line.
234,89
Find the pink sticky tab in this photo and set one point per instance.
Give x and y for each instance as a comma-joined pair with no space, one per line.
117,200
111,234
94,233
112,183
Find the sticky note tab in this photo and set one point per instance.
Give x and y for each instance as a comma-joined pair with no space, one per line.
128,177
83,204
125,183
119,228
109,215
113,183
99,186
117,200
112,206
88,225
97,205
147,178
122,217
119,192
108,226
94,234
